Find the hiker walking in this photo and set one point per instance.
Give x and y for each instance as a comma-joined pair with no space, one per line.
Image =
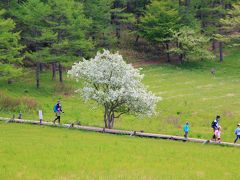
58,110
186,129
237,132
215,126
217,134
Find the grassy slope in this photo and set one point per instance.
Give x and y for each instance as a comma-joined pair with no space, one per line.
33,152
189,92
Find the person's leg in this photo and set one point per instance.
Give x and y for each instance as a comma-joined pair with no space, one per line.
214,137
58,119
236,139
55,118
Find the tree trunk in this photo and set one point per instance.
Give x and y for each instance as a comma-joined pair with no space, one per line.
115,19
105,117
38,75
136,40
54,71
168,55
108,118
40,67
60,73
187,6
202,21
118,35
112,120
214,46
179,3
221,51
181,58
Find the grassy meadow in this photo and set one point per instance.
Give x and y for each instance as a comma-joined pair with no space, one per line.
38,152
189,91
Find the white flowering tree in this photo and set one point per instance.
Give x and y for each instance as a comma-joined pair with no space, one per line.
115,85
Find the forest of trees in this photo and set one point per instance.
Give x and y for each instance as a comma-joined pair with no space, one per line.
52,33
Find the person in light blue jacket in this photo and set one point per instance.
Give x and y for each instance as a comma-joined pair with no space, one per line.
237,132
186,129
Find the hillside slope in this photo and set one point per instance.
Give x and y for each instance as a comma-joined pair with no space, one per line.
190,92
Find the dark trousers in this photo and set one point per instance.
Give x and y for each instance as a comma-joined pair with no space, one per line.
214,136
185,134
238,137
57,118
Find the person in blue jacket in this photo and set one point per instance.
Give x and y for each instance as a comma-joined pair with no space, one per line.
58,110
186,129
237,132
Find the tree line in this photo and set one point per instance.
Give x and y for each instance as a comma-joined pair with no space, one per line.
58,32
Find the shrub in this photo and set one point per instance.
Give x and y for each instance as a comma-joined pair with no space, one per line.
64,89
9,103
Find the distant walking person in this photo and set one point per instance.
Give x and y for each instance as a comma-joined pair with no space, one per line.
58,110
217,133
237,132
215,125
186,129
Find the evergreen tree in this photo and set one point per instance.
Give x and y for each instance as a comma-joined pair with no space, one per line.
35,31
68,21
99,11
230,26
209,12
191,45
159,22
120,17
137,8
53,31
10,57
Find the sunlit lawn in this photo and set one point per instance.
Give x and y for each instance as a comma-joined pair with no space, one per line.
38,152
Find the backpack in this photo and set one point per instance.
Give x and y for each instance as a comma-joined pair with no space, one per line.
213,124
55,108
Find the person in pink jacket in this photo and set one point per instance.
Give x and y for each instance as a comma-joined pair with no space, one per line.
217,133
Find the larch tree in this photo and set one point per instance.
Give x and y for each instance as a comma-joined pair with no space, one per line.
191,45
114,85
54,32
158,24
69,23
99,11
231,26
10,48
137,8
121,19
31,17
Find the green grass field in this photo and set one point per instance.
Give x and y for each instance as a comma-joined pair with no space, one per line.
190,92
38,152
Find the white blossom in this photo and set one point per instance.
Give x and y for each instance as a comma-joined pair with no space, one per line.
114,84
